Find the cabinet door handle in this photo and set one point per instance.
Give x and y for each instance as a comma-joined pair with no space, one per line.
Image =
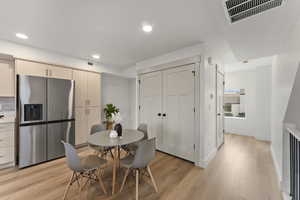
159,114
47,72
164,115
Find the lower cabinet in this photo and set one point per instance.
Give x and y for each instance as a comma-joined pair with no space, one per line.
85,117
7,148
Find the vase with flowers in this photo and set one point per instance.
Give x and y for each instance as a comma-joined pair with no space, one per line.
111,115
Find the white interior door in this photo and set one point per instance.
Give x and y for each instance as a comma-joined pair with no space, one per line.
151,104
179,114
220,110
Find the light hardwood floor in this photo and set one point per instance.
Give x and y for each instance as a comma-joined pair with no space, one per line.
242,170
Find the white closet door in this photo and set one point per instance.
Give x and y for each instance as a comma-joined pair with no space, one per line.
151,104
220,110
178,105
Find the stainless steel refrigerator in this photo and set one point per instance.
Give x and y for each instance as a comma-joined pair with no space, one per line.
45,117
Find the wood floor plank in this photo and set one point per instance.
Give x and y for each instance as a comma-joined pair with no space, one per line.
242,170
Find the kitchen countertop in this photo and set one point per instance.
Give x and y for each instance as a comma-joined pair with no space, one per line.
9,117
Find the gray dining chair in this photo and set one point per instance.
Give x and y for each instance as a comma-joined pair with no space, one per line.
103,150
144,128
145,153
131,148
90,167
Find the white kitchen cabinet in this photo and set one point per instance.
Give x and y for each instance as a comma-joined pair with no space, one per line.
31,68
6,156
43,70
85,119
93,89
80,78
88,88
7,147
87,103
80,126
60,72
7,79
93,117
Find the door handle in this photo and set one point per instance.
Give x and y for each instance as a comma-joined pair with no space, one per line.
219,114
159,114
164,115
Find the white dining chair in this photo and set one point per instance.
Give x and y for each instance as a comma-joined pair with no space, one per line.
90,167
145,153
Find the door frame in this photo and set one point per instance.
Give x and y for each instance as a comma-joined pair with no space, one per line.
218,72
198,62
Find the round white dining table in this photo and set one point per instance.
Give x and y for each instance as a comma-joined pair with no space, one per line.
102,139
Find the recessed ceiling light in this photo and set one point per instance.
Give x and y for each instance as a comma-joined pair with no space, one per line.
147,28
96,56
22,36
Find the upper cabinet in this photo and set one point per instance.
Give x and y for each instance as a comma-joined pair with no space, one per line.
31,68
93,89
7,79
60,72
44,70
80,78
87,87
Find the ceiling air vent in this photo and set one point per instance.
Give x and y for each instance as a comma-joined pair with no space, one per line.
241,9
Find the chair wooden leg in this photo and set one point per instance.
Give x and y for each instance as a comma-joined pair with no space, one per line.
137,184
99,175
111,153
124,180
114,173
152,179
85,184
78,184
68,186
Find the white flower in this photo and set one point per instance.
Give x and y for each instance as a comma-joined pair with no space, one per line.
117,118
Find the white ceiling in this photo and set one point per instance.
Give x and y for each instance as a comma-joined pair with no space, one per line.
113,28
251,64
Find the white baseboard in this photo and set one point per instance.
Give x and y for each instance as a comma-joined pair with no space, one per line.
275,161
263,139
7,165
204,163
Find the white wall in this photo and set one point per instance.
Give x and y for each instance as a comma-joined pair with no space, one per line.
257,85
133,99
199,54
208,119
30,53
292,115
283,75
179,54
119,91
